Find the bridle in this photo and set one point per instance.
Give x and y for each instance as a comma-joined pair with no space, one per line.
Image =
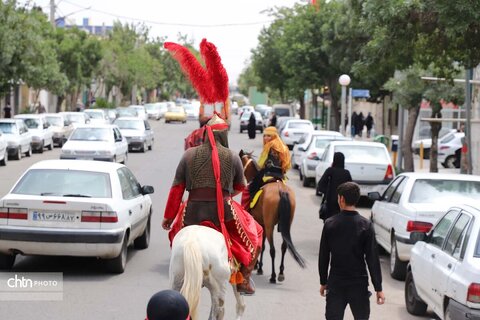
249,161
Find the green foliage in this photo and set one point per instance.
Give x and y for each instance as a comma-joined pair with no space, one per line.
103,103
407,87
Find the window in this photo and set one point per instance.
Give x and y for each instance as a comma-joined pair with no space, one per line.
130,186
455,238
431,191
363,153
117,135
391,189
397,194
325,153
441,229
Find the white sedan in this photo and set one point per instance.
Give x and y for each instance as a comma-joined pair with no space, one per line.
444,271
74,208
40,129
301,146
3,150
414,202
294,130
96,142
368,162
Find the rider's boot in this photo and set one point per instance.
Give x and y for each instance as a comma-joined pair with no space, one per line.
247,287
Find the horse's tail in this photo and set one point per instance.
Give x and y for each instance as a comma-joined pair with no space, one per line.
284,214
193,278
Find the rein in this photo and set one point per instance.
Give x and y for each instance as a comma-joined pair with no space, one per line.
247,164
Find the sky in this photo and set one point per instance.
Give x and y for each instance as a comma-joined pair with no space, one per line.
233,26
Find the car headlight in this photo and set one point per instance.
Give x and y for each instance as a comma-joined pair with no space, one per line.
67,151
36,139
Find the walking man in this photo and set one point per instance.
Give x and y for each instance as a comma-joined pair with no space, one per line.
348,246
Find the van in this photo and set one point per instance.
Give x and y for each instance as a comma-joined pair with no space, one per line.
284,110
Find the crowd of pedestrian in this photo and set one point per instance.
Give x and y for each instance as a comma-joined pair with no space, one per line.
359,122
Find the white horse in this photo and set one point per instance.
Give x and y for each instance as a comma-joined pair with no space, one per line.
200,258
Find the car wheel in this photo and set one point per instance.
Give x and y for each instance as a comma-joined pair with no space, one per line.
413,302
29,152
50,146
145,147
7,261
40,150
306,182
18,156
143,241
150,147
450,162
118,264
166,121
398,268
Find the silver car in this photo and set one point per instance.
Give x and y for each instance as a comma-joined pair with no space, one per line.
138,133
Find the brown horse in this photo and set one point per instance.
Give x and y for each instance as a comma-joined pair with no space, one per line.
276,205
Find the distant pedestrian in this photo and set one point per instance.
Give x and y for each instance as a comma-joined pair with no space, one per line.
329,182
273,120
40,109
353,121
167,305
369,124
252,126
7,111
348,247
359,123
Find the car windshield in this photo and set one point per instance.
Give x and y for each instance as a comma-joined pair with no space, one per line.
282,112
55,121
152,107
94,114
176,110
56,182
362,153
299,125
130,124
7,127
31,123
322,143
127,112
431,191
92,134
76,118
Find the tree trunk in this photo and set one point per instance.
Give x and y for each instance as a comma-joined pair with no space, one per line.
60,100
408,138
436,126
301,98
334,112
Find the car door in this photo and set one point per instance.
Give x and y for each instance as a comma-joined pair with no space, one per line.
447,260
25,137
121,145
148,133
431,255
382,214
135,200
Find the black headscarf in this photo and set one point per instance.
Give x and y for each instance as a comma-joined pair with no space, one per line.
338,160
167,305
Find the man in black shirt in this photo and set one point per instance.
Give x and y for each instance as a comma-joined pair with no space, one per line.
348,245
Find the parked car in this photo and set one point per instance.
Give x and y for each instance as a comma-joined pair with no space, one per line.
74,208
425,136
39,128
414,202
156,110
312,154
62,128
176,114
19,139
76,118
3,150
126,112
141,111
444,270
192,111
244,119
294,130
284,110
369,164
450,150
97,116
138,133
301,146
96,142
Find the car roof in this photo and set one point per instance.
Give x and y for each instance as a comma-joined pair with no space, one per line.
98,125
86,165
53,115
358,143
10,120
29,115
441,176
129,118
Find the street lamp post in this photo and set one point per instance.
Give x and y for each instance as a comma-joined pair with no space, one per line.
344,81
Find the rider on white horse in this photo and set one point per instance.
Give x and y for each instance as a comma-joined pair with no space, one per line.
212,173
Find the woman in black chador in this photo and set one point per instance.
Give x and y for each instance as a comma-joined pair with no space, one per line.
331,179
252,126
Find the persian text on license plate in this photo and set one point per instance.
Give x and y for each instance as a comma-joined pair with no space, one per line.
53,216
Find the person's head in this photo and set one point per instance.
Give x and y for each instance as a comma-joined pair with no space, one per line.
167,305
269,134
220,129
348,194
338,160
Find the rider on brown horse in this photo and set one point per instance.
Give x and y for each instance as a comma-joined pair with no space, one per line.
212,173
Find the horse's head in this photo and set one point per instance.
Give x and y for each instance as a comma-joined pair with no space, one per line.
250,167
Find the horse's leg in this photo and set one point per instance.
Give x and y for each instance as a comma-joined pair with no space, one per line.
240,307
269,230
281,276
217,292
260,261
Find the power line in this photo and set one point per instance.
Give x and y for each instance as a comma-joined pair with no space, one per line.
169,23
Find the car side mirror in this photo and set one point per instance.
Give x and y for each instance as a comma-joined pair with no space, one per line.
301,149
147,190
45,126
374,196
418,236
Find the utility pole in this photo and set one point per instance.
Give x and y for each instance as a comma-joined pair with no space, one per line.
52,21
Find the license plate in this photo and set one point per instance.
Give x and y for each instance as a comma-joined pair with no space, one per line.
53,216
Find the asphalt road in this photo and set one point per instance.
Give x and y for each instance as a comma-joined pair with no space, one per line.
91,293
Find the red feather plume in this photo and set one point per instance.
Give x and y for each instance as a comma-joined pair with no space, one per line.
216,71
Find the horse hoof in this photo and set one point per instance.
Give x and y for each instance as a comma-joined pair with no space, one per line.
260,272
281,277
273,281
